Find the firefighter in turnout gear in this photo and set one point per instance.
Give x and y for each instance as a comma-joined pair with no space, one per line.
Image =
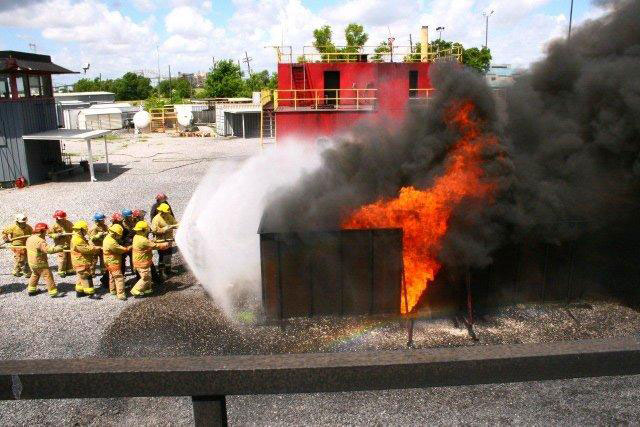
142,258
162,226
112,252
97,235
61,233
16,235
82,258
37,250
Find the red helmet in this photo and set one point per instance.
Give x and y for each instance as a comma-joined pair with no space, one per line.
116,217
40,227
59,214
161,196
138,213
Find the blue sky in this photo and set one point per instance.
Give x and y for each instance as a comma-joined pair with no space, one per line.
116,36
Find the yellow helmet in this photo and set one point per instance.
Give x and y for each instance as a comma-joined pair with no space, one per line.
164,208
141,226
80,225
116,229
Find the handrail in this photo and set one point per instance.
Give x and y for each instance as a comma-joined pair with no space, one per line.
318,99
209,379
368,54
420,93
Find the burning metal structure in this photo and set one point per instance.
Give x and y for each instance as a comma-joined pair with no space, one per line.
516,203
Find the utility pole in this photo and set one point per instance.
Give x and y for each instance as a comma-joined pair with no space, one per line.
486,28
158,57
247,60
32,46
570,20
440,30
170,89
213,62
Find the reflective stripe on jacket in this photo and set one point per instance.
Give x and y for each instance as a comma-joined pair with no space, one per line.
142,251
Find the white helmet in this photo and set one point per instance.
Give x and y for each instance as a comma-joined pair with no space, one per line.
20,217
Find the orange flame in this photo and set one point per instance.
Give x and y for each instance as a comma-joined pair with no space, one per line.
424,215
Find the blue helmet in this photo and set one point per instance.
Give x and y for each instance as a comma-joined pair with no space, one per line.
127,212
98,216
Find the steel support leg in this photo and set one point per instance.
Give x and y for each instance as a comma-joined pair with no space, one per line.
209,411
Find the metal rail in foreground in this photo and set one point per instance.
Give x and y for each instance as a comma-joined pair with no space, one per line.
209,379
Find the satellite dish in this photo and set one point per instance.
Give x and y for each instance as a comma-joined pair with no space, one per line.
141,119
185,117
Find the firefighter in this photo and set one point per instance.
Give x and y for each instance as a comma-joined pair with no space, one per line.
128,222
138,215
112,252
160,199
61,233
82,256
162,226
37,250
96,235
16,234
142,258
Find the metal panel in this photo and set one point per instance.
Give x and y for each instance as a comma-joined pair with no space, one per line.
387,268
357,271
324,273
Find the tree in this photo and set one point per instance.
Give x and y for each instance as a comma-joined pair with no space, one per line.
354,35
95,85
225,80
478,59
383,47
179,87
131,87
261,80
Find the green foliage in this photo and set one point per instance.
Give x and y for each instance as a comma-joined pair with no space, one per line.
353,33
383,47
95,85
176,87
132,86
355,36
478,59
154,102
225,81
262,80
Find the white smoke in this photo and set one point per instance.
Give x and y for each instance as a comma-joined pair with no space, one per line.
218,231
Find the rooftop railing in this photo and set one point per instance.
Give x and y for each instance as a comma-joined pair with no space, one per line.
311,54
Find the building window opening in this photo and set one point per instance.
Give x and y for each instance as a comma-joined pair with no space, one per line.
5,86
20,87
413,84
35,88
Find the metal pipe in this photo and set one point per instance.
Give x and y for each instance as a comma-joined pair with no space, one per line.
424,43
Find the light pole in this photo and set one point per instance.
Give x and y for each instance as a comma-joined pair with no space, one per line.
486,28
440,30
570,20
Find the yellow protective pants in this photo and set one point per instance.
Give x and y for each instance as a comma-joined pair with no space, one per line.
20,264
144,284
64,262
46,275
83,282
116,282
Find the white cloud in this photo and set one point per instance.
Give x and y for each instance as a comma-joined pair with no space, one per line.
187,21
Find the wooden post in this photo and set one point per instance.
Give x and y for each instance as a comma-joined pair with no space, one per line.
209,411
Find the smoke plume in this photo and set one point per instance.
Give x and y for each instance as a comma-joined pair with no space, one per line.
566,162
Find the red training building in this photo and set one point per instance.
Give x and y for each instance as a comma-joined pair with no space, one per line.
325,94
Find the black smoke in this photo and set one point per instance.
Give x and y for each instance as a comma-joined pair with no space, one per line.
567,162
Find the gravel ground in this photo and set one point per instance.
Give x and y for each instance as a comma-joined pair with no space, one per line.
182,320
